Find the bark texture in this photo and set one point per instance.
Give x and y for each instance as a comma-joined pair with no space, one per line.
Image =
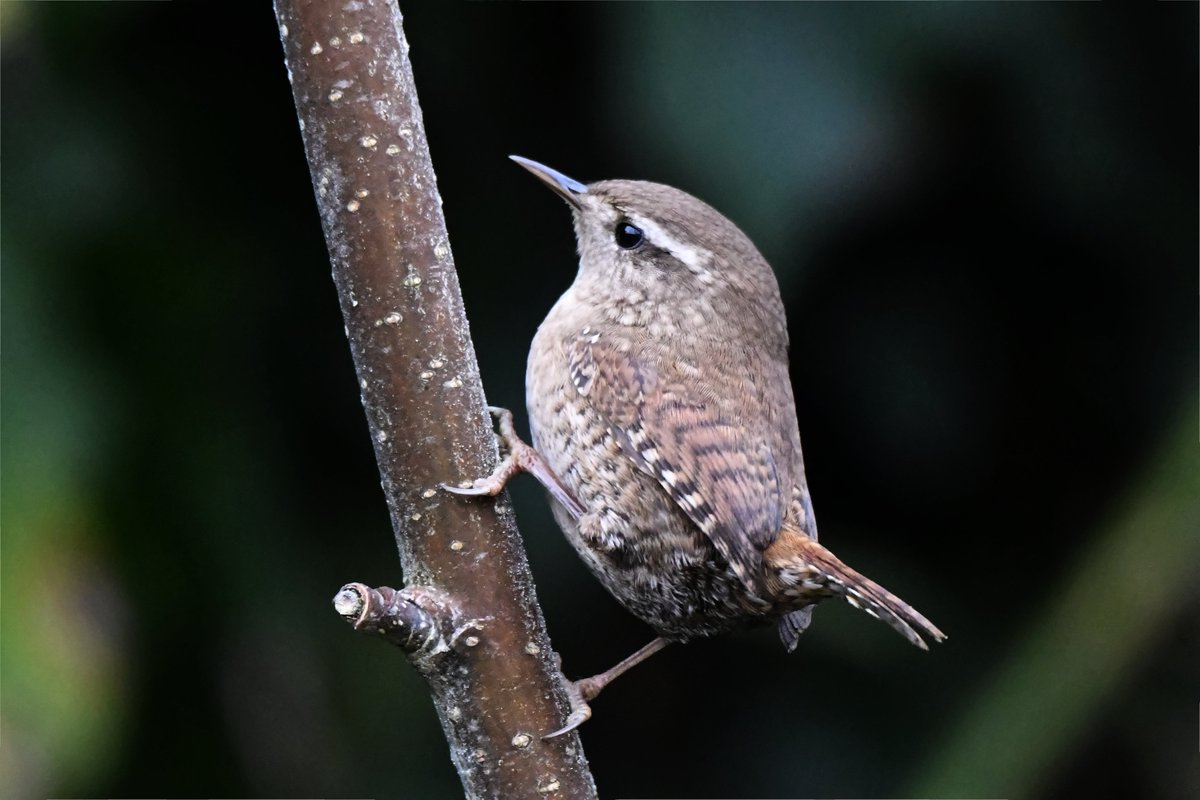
468,616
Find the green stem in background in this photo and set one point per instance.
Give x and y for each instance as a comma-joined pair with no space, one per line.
1106,615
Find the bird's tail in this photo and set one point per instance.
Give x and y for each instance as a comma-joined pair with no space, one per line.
808,572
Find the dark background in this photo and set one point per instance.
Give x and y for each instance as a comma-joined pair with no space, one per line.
984,220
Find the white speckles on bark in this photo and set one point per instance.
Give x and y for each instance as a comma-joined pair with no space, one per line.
419,383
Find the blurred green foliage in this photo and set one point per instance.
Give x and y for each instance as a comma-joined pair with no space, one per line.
984,220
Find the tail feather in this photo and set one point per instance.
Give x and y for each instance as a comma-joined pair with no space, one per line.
808,571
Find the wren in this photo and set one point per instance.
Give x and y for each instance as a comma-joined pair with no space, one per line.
665,429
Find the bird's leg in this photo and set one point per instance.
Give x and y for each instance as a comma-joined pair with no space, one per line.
520,457
580,692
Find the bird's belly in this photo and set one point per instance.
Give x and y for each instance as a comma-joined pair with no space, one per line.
641,546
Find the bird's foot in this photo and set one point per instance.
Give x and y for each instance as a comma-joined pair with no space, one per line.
518,457
579,693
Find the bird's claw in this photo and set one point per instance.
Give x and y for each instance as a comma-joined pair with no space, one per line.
579,714
578,694
489,486
520,457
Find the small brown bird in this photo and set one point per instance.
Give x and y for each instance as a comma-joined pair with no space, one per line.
665,429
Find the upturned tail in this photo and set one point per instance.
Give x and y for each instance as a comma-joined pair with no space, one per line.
806,571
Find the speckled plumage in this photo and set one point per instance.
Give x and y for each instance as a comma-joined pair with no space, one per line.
658,391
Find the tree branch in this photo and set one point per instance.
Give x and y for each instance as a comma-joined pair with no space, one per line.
468,619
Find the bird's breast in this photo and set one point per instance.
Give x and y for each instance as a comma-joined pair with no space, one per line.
637,541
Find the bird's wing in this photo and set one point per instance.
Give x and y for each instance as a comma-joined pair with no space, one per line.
711,461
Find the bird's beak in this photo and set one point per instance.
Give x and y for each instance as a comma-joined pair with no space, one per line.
568,189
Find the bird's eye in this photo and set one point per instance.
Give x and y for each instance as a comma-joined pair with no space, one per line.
628,236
